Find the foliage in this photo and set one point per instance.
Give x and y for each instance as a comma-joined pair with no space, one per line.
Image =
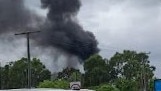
105,87
60,84
126,85
95,71
14,74
69,74
124,62
151,85
126,71
132,69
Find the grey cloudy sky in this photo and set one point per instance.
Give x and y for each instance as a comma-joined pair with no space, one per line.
118,25
125,24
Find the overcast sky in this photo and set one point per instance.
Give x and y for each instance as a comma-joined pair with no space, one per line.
125,24
117,25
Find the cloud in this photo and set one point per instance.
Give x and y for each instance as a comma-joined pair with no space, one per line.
11,48
125,24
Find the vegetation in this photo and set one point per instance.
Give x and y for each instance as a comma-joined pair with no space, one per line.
14,74
95,71
69,74
127,71
59,84
107,87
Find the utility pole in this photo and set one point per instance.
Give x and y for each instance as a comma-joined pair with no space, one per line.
28,55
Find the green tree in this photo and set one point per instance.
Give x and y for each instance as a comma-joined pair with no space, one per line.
95,71
5,77
132,66
126,85
39,72
15,74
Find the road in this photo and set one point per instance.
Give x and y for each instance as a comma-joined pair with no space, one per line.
45,90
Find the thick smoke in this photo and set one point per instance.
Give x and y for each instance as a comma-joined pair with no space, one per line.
61,29
64,32
13,15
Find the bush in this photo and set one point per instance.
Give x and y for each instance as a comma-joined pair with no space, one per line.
107,88
104,87
60,84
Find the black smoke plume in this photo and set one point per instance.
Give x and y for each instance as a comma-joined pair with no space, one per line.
61,29
13,15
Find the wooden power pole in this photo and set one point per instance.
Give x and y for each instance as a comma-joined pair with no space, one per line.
28,55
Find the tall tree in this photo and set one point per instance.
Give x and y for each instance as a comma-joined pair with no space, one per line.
131,65
15,74
95,71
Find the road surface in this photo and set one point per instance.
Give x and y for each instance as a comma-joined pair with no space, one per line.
45,90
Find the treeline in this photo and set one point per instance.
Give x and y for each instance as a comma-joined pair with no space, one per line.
14,74
127,71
